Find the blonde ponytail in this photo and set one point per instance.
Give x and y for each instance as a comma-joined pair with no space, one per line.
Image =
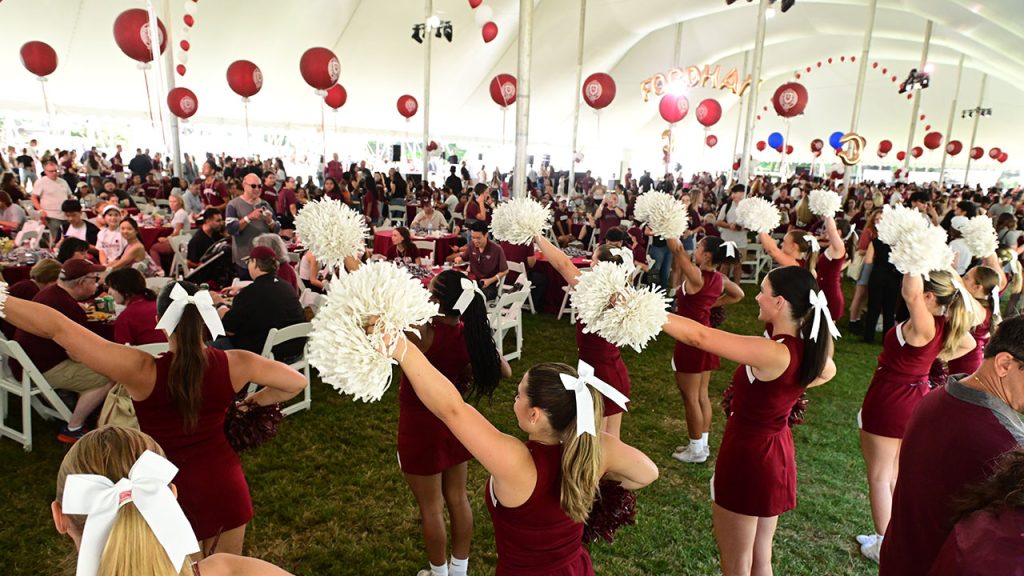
581,467
133,550
961,313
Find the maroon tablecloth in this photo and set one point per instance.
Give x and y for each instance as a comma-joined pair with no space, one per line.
553,294
410,213
15,274
150,234
442,245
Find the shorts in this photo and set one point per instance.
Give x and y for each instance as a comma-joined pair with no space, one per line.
865,274
74,376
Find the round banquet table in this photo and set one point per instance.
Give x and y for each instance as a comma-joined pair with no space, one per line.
442,244
14,274
554,293
150,234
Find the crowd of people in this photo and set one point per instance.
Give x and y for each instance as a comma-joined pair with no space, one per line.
923,448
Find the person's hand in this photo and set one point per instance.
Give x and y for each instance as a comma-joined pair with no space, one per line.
255,215
458,260
217,298
268,216
162,240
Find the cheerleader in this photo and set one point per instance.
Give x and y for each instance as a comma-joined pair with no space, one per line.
702,288
755,473
984,283
940,320
594,350
801,248
540,491
459,344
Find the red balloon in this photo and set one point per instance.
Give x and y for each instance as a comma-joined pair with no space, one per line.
336,96
916,151
882,154
38,58
1003,157
504,89
598,90
131,33
181,69
789,149
320,68
245,78
885,146
709,112
977,152
407,106
932,140
779,149
901,156
490,31
182,102
736,165
189,20
475,3
673,107
790,99
185,45
994,153
711,140
817,145
761,145
954,147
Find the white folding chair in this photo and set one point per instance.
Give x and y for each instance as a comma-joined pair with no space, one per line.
155,349
34,391
508,315
396,214
522,282
281,335
428,245
179,265
567,305
157,283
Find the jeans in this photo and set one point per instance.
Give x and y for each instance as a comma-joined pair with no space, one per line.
662,264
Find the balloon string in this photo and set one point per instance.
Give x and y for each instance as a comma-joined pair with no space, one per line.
245,105
46,101
149,100
323,132
504,123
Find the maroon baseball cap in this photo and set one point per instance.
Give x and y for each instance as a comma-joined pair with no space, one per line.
75,268
262,253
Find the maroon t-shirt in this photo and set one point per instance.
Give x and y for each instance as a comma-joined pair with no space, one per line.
487,263
136,324
269,195
288,198
25,290
473,212
214,193
46,353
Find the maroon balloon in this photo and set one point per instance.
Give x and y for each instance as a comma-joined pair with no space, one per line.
504,90
598,90
789,149
336,96
1003,157
916,151
761,145
245,78
475,3
885,146
181,69
882,154
817,145
38,58
711,140
131,33
901,155
489,32
182,102
790,99
977,152
932,140
954,147
320,68
709,112
407,106
673,108
994,153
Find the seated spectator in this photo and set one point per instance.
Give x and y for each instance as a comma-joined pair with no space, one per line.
267,303
42,275
136,324
76,283
429,219
162,249
311,273
285,271
12,215
75,225
72,248
402,248
109,241
524,253
134,253
486,260
210,231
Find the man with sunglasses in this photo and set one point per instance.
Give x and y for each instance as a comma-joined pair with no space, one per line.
48,195
247,217
953,439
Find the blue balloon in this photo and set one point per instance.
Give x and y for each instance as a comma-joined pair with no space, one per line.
775,140
834,142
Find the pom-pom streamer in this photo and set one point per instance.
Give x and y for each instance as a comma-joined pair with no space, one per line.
332,231
758,215
824,203
666,216
519,220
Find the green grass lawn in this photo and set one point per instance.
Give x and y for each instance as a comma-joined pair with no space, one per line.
330,498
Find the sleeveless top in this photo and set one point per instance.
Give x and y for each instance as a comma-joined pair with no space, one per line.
697,306
766,405
909,364
829,274
593,348
969,362
448,354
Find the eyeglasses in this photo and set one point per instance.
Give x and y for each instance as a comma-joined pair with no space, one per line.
95,278
253,186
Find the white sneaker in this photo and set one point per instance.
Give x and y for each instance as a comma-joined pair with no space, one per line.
423,573
691,456
867,538
872,550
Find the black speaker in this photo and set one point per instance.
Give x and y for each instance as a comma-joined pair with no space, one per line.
396,153
479,156
453,159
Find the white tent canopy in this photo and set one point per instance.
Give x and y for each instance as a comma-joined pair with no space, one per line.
629,39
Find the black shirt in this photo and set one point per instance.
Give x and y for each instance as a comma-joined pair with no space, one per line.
199,244
266,303
454,183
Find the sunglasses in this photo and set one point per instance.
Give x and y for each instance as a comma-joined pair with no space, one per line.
253,186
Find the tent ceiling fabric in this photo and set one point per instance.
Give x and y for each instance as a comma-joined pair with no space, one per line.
629,39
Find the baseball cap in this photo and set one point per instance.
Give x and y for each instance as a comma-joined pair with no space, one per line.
78,267
261,253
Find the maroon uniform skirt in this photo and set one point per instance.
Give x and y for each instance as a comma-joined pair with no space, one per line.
889,403
690,360
425,445
755,473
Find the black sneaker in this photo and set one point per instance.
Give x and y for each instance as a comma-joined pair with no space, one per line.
855,326
69,436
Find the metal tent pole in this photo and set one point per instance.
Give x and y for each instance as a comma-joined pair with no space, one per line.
949,125
427,43
858,100
748,132
917,96
974,130
576,95
523,96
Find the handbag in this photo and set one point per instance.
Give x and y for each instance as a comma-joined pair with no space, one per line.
856,266
118,409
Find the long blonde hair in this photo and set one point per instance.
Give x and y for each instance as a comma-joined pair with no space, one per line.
581,455
131,549
961,313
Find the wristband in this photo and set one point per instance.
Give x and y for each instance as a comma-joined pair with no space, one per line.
245,219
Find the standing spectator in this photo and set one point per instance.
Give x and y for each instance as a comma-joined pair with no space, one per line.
453,182
287,207
109,241
334,168
141,164
608,215
192,199
26,168
731,231
48,195
215,193
247,217
188,169
269,192
136,324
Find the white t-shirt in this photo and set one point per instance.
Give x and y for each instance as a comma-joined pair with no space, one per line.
737,236
51,193
110,242
963,255
79,232
180,217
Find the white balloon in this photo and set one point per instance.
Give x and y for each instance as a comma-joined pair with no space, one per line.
183,33
483,14
182,57
191,7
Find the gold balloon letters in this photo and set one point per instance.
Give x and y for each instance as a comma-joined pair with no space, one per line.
853,145
693,76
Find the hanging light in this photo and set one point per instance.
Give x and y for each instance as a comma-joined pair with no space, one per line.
417,33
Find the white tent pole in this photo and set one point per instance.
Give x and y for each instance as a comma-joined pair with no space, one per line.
169,78
161,80
949,125
576,95
917,95
739,112
748,132
974,130
861,76
427,43
523,96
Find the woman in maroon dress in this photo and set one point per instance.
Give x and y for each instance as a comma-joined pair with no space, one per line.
181,399
939,324
755,474
984,283
459,344
540,491
593,349
702,288
800,248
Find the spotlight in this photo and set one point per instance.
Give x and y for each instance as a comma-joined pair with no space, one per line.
787,4
447,28
417,33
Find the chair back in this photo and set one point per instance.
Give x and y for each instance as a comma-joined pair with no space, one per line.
155,349
281,335
426,245
157,283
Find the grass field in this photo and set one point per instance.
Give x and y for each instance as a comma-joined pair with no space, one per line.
330,499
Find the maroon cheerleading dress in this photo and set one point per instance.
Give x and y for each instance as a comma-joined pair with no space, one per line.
212,489
425,445
755,473
900,381
829,274
537,538
697,307
971,361
607,362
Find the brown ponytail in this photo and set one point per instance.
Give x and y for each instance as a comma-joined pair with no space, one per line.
185,377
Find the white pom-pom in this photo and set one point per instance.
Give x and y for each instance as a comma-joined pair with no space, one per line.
917,247
980,236
666,216
348,358
331,231
519,220
609,306
758,215
596,289
3,298
824,203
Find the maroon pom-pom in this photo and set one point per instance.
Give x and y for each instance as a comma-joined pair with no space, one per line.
796,413
613,508
938,375
717,316
248,425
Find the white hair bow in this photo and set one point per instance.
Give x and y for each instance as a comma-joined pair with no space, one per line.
469,292
995,301
730,249
626,255
820,305
813,243
147,486
965,294
584,401
201,300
